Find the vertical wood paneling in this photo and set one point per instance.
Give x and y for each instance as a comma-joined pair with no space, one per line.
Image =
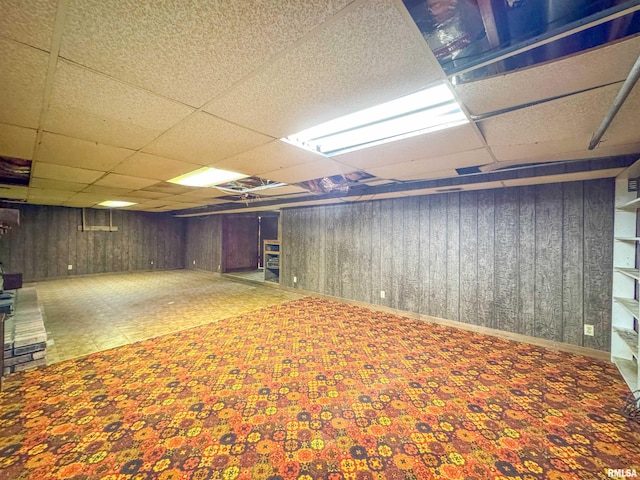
375,232
40,239
386,251
411,287
423,258
506,259
438,256
453,256
598,258
319,220
48,240
548,293
285,270
397,258
486,259
525,318
469,257
344,234
572,263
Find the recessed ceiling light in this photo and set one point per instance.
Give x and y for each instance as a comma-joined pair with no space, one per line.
207,177
425,111
116,203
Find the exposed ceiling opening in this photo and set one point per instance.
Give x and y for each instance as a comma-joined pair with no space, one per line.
15,171
466,34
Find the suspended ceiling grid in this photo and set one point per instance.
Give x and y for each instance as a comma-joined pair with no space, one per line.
111,98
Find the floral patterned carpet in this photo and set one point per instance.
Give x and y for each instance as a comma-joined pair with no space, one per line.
318,389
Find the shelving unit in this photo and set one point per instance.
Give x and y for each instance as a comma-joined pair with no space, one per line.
272,261
625,311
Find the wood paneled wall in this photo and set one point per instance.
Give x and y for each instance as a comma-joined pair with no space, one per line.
204,243
533,260
48,240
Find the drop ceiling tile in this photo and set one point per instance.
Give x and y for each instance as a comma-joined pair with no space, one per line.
570,117
125,181
39,194
23,71
558,150
564,177
202,194
73,152
87,199
595,68
91,106
216,42
64,173
435,144
140,194
369,55
204,139
30,22
111,191
624,127
271,156
285,190
458,188
13,192
47,184
323,167
17,141
152,166
436,167
166,188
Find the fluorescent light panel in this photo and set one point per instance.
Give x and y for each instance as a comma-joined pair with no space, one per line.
116,203
425,111
207,177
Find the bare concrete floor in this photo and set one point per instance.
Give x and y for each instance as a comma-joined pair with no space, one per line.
94,313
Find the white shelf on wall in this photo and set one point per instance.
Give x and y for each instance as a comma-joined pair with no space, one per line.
629,272
629,338
625,309
630,206
630,305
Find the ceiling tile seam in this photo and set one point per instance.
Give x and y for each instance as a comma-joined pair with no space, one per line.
18,42
473,124
56,41
288,49
504,111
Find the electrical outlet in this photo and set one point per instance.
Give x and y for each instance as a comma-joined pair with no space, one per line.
295,279
588,330
194,262
382,294
69,267
151,262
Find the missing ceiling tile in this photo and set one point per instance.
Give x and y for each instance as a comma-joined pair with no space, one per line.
15,171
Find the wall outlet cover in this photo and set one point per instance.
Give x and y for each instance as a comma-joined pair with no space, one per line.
382,294
589,330
69,267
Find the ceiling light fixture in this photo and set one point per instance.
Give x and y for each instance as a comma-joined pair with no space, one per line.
116,204
207,177
428,110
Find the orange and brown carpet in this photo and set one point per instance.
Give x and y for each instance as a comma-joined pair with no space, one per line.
317,389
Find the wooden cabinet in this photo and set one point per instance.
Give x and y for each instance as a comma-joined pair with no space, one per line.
625,311
272,261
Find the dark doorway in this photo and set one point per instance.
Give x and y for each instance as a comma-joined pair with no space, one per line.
268,231
239,243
